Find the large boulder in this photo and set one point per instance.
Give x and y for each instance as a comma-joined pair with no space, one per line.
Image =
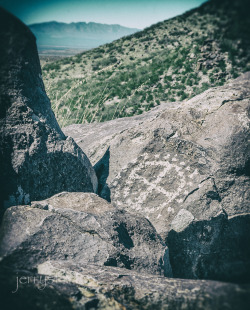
83,228
184,166
63,285
215,249
192,155
36,159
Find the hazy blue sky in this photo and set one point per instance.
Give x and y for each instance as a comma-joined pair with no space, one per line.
130,13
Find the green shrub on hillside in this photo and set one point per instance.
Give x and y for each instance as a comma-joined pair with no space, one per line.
172,60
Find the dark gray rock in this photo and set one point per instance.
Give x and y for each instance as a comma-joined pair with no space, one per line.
83,228
36,159
215,249
62,285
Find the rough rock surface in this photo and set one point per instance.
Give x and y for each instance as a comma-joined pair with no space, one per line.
193,155
215,249
65,228
36,159
182,166
62,285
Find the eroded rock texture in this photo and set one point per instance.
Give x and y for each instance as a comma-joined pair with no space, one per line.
63,285
83,228
215,249
192,155
181,166
36,159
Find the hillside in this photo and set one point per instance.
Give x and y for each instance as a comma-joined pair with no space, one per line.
54,37
170,61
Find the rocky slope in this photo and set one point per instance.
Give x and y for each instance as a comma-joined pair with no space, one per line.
170,61
36,159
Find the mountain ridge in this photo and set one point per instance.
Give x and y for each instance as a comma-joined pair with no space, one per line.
51,35
54,22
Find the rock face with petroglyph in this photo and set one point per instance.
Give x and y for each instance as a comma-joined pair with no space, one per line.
36,159
191,156
83,228
185,167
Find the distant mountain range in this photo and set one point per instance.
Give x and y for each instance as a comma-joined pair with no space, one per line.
56,36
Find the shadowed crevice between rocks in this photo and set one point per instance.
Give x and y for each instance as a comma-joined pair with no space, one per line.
244,170
124,237
102,172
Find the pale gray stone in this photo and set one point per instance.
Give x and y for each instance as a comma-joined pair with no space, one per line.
182,220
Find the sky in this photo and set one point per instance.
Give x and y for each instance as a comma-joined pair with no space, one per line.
129,13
